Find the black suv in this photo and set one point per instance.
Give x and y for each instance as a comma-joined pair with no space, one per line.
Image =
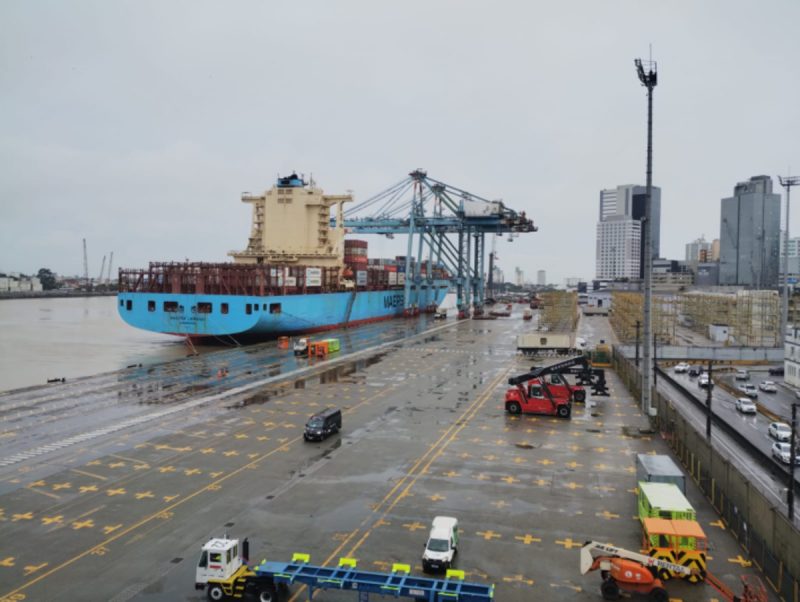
776,371
323,424
694,371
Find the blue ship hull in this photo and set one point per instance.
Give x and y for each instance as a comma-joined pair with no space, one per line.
256,317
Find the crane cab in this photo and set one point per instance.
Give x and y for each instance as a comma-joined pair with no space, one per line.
219,559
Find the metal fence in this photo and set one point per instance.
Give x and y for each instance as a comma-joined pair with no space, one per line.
765,535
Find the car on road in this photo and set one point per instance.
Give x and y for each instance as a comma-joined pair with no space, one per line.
745,405
780,431
749,390
704,381
694,371
742,374
782,453
767,386
776,371
682,367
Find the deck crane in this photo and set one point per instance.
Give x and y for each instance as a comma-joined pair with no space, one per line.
433,211
625,570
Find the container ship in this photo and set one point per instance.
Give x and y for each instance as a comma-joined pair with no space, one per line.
298,274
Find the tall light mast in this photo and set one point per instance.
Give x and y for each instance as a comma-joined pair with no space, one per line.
85,266
649,80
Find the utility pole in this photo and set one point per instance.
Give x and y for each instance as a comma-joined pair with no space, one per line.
792,460
787,183
649,80
86,267
638,325
708,403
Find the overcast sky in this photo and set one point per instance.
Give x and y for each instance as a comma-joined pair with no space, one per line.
136,125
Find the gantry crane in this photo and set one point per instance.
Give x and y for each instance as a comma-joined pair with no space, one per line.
433,211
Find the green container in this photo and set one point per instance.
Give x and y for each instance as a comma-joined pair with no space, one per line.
664,500
333,344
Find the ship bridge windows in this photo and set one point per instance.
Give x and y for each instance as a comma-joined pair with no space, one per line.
204,308
223,308
170,306
274,308
248,308
151,305
129,305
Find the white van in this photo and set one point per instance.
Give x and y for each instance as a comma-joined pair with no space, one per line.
442,545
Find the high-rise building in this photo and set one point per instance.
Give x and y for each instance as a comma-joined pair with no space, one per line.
698,250
519,276
714,250
498,276
541,277
620,206
750,235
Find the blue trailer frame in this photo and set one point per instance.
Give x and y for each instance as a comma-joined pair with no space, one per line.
398,583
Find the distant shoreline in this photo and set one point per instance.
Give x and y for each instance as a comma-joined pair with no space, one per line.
56,294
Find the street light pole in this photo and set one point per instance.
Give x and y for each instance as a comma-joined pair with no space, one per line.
792,460
708,403
649,80
787,183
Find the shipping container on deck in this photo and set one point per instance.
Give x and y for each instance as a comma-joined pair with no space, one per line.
659,469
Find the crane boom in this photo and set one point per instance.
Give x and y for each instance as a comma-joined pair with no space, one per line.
593,550
102,271
110,261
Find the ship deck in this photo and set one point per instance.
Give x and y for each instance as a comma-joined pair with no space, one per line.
162,459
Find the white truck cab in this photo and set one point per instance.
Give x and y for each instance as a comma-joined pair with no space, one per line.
442,545
301,346
219,559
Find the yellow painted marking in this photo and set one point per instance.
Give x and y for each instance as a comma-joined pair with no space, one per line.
89,474
518,579
719,524
544,462
22,516
8,561
142,495
83,524
573,465
573,486
253,455
99,551
604,488
230,453
483,477
40,483
601,466
117,464
601,449
630,470
451,473
578,589
240,436
111,528
413,526
141,466
87,488
634,491
740,561
606,514
166,469
94,463
500,504
262,438
60,486
169,498
32,568
510,480
41,491
382,523
191,471
568,543
527,539
489,535
215,475
118,491
436,497
207,450
465,455
53,520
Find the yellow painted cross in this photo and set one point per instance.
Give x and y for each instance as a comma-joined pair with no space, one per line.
60,486
450,473
573,465
572,485
740,561
32,568
83,524
22,516
169,498
568,543
87,488
436,497
207,450
144,495
8,561
489,535
518,579
541,482
37,484
53,520
141,466
510,480
230,453
490,458
413,526
483,477
166,469
519,460
241,436
527,539
545,462
191,471
500,504
719,524
111,528
113,492
606,514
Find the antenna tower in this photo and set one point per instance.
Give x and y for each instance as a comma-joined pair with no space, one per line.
787,183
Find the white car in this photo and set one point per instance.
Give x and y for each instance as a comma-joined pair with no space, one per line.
682,367
442,545
742,374
780,431
749,390
746,406
782,452
704,381
767,386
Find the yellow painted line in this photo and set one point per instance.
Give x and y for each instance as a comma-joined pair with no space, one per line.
47,493
127,459
89,474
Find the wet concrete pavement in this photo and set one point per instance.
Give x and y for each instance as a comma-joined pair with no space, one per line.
424,434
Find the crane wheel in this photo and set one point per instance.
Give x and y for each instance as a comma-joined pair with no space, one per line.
513,408
658,594
268,594
580,396
609,589
563,411
215,593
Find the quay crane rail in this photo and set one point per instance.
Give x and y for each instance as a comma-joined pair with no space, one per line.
423,206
